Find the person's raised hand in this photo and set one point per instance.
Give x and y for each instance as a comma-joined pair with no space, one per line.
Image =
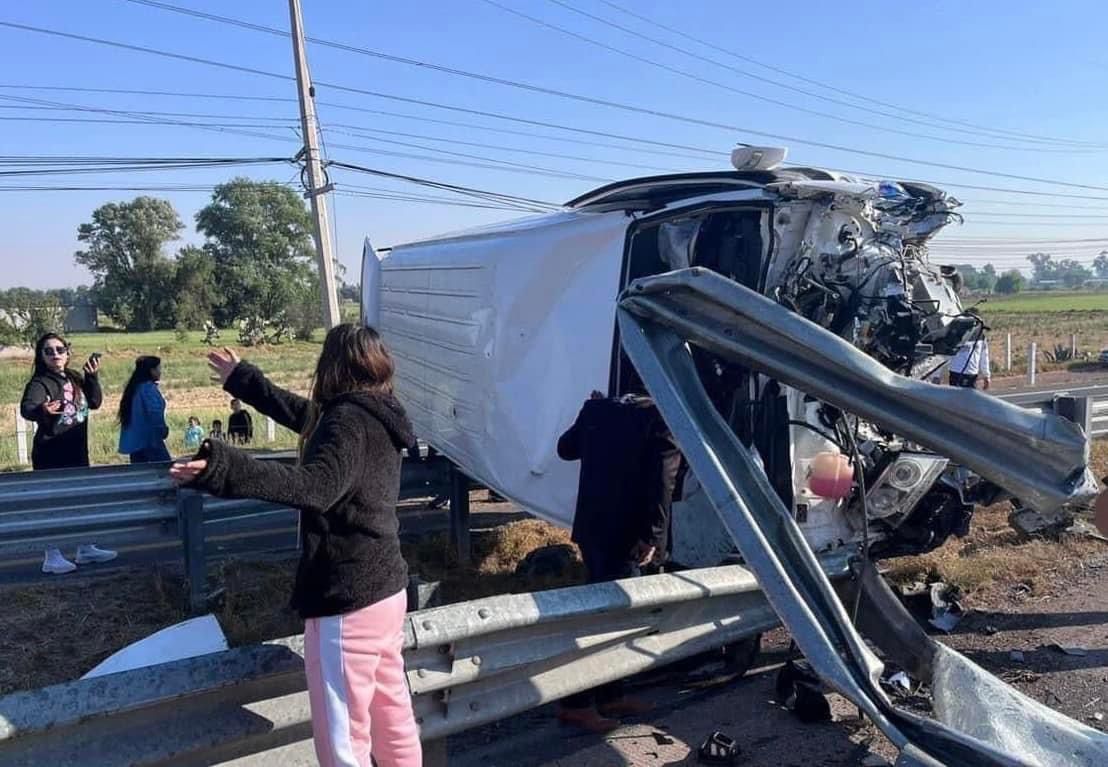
92,367
184,472
222,363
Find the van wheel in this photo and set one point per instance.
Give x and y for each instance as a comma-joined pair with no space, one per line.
739,657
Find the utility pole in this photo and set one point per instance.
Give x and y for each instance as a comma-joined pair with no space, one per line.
316,181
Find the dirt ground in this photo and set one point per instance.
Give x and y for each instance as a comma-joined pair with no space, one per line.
1071,611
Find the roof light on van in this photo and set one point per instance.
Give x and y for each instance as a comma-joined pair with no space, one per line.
758,157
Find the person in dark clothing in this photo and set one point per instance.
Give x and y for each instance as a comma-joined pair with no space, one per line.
58,400
351,581
240,426
629,466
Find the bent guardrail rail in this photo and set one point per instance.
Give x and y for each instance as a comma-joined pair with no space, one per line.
979,720
467,664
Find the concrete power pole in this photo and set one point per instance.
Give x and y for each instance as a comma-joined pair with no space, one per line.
316,181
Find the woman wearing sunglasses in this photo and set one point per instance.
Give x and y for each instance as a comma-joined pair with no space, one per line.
58,400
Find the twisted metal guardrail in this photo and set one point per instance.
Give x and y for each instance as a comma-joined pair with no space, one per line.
468,664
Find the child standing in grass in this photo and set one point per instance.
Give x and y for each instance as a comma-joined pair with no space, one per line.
194,433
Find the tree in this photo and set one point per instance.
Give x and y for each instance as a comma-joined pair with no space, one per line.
1043,267
1072,273
195,286
259,237
1010,282
978,280
26,314
1100,265
134,278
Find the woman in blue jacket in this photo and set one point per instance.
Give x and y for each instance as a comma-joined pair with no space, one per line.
142,414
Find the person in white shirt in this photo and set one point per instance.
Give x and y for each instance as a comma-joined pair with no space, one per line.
971,363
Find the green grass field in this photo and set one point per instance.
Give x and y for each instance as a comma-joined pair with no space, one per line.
1046,302
186,384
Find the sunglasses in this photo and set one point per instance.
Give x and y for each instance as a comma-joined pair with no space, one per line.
55,351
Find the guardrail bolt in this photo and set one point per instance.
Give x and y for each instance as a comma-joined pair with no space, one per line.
427,625
475,660
421,673
483,613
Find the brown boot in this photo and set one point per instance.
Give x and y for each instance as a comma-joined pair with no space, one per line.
622,707
587,719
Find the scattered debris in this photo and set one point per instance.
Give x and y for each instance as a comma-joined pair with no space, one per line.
799,690
946,611
991,630
1021,676
1033,524
899,683
718,749
875,760
662,739
936,603
1077,652
1097,717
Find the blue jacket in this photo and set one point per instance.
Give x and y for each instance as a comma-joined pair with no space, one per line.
148,427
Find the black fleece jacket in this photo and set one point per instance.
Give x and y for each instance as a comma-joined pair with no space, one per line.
629,466
345,486
61,441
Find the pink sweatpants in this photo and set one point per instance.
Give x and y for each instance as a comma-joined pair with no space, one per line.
358,692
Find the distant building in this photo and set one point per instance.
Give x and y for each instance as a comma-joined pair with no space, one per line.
81,318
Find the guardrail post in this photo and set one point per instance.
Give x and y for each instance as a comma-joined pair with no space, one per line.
434,753
459,513
1008,354
1032,353
270,429
190,523
1076,409
21,438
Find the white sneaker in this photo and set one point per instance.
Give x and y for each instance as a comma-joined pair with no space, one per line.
55,564
90,554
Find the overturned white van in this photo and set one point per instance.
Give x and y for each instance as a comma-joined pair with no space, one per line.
501,332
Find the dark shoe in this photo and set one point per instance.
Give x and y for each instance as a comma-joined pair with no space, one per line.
587,719
622,707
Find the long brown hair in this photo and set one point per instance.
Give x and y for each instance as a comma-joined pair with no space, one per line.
353,359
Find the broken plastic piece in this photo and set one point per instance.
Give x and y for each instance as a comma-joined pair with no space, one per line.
718,749
1077,652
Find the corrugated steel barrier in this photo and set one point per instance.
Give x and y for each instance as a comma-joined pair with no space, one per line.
468,664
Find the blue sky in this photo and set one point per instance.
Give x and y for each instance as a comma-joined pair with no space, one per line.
1036,69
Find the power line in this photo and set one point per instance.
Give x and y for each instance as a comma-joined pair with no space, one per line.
359,132
655,24
520,120
509,83
715,83
487,163
456,188
420,102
